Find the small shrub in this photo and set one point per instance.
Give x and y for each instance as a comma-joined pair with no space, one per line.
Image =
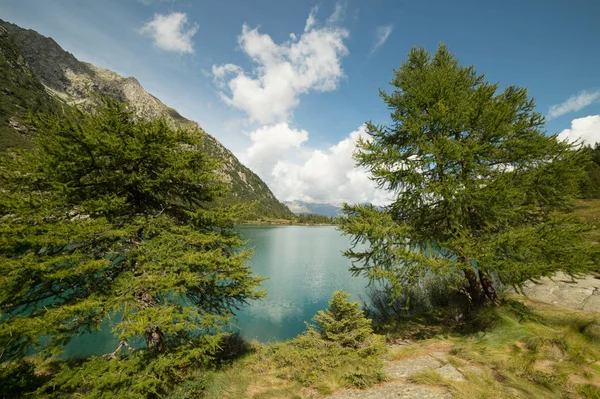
589,391
434,294
232,346
18,379
343,322
592,331
340,345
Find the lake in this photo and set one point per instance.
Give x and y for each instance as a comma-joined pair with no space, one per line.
304,266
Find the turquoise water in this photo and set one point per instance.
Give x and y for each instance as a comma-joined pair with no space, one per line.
304,266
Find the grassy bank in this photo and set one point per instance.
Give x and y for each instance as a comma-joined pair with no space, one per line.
522,349
589,210
529,350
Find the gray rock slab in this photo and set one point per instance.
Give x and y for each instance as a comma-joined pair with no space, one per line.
441,356
394,390
563,291
406,368
592,304
449,372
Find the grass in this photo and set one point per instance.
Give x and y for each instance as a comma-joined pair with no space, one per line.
528,350
523,349
589,210
531,350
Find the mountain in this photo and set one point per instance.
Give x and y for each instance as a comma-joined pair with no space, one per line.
44,73
21,93
304,208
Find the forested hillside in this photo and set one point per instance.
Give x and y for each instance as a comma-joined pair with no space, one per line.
34,65
22,94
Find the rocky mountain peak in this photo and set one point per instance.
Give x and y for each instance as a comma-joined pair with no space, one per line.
79,83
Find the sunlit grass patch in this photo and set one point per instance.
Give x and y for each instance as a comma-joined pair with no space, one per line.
533,351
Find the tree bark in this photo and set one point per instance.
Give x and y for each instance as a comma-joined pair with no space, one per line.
155,339
478,296
488,287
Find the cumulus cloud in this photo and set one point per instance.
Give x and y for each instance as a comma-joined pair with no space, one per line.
585,129
149,2
574,103
381,35
269,143
171,33
307,62
294,171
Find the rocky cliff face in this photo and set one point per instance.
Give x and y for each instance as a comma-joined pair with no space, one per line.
20,93
77,83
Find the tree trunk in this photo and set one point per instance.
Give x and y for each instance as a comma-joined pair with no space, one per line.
488,287
155,339
478,296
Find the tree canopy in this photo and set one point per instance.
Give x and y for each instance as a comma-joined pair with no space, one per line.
590,186
109,217
479,189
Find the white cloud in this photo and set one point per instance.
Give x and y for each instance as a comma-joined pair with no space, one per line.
381,35
269,143
338,14
312,19
170,33
574,103
585,129
283,72
294,171
149,2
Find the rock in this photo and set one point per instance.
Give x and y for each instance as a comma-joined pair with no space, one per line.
441,356
562,290
449,372
79,83
592,304
409,367
394,391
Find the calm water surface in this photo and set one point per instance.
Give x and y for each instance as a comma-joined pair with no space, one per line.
303,265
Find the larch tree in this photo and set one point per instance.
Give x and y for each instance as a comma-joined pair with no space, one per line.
112,217
478,189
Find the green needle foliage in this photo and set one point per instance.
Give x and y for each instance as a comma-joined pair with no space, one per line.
479,191
340,343
343,322
109,217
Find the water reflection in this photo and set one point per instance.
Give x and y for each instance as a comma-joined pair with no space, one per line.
303,265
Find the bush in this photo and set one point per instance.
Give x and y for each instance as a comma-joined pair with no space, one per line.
433,294
19,378
340,345
343,322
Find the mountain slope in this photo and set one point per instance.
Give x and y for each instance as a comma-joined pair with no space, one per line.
20,93
79,83
307,208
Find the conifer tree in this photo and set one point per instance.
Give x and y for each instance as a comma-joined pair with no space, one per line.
478,189
109,217
343,322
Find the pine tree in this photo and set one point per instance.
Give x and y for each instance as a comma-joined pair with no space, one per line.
109,217
343,322
478,189
590,186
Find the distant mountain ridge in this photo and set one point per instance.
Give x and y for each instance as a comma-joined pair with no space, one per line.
79,83
304,208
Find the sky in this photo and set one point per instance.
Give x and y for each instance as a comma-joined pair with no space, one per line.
288,85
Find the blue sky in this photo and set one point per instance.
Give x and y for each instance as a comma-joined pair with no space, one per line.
290,107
